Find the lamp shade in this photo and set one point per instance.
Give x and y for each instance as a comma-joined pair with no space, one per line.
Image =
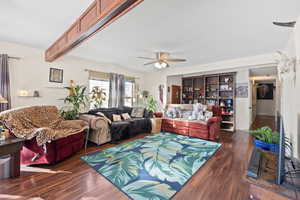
3,100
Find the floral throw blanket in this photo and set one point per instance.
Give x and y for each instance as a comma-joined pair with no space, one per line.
42,122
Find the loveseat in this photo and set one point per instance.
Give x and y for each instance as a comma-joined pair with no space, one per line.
48,137
124,129
205,129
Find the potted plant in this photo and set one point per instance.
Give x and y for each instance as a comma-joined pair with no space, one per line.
152,106
77,99
98,96
266,139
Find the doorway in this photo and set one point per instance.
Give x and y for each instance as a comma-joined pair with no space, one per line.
264,98
175,94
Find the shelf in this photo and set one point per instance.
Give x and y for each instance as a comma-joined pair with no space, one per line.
227,129
227,122
30,96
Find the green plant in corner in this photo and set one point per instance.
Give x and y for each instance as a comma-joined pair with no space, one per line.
265,134
77,100
151,104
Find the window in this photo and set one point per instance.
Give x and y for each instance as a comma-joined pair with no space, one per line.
129,93
104,84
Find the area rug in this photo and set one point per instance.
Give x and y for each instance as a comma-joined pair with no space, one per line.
154,167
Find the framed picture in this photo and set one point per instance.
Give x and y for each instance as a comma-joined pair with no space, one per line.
242,90
265,91
56,75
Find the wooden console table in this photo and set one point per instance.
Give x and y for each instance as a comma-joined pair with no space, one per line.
12,147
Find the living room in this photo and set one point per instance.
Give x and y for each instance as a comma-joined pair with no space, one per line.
133,99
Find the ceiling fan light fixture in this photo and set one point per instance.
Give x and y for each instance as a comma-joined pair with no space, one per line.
161,65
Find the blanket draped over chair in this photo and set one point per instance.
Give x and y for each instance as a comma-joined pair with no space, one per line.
42,122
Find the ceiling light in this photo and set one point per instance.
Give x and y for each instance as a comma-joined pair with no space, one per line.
160,65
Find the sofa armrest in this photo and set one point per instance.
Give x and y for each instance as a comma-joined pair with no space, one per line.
94,122
214,125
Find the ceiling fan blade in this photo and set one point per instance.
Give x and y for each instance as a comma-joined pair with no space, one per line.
175,60
150,63
285,24
146,58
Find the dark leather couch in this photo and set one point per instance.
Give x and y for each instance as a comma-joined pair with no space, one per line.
126,128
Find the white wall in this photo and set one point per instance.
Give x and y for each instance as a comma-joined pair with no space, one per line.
241,66
31,73
267,106
296,133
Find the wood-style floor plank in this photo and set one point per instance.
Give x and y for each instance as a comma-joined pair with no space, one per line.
220,178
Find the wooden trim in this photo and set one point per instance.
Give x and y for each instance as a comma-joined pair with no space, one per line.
95,18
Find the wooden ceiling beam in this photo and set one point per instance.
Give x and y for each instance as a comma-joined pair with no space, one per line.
96,17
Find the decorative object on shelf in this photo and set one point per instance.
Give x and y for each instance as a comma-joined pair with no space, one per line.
77,101
26,93
242,90
23,93
98,96
36,93
266,139
265,91
56,75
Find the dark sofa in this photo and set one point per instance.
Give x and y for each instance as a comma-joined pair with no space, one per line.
127,128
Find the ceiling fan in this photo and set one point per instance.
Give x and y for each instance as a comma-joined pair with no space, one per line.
162,60
285,24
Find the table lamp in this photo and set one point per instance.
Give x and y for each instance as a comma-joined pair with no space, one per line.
3,100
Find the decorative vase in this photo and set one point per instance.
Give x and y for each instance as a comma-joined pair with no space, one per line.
158,114
266,146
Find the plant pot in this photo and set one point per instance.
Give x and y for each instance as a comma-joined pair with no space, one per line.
158,114
266,146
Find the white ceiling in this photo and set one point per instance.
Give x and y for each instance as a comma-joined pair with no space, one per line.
201,31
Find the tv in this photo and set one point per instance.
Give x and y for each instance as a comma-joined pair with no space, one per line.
281,161
281,152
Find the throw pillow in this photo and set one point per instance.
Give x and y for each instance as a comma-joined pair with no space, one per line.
116,118
137,112
126,116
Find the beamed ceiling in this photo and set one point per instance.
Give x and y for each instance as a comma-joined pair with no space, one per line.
201,31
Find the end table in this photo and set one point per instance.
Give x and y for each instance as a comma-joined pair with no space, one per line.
12,147
156,125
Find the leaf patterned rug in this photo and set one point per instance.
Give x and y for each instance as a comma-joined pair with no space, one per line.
154,167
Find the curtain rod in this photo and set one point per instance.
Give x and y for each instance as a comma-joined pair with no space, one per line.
13,57
90,70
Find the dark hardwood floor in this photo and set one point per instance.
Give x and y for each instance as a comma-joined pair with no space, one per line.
220,178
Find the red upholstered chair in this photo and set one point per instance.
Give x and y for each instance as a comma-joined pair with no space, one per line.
66,137
53,152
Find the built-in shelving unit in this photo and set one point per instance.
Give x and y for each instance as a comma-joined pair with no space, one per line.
216,89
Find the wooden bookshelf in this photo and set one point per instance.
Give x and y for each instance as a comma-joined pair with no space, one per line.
215,89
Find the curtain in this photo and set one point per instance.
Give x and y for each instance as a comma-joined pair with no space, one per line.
116,90
4,82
